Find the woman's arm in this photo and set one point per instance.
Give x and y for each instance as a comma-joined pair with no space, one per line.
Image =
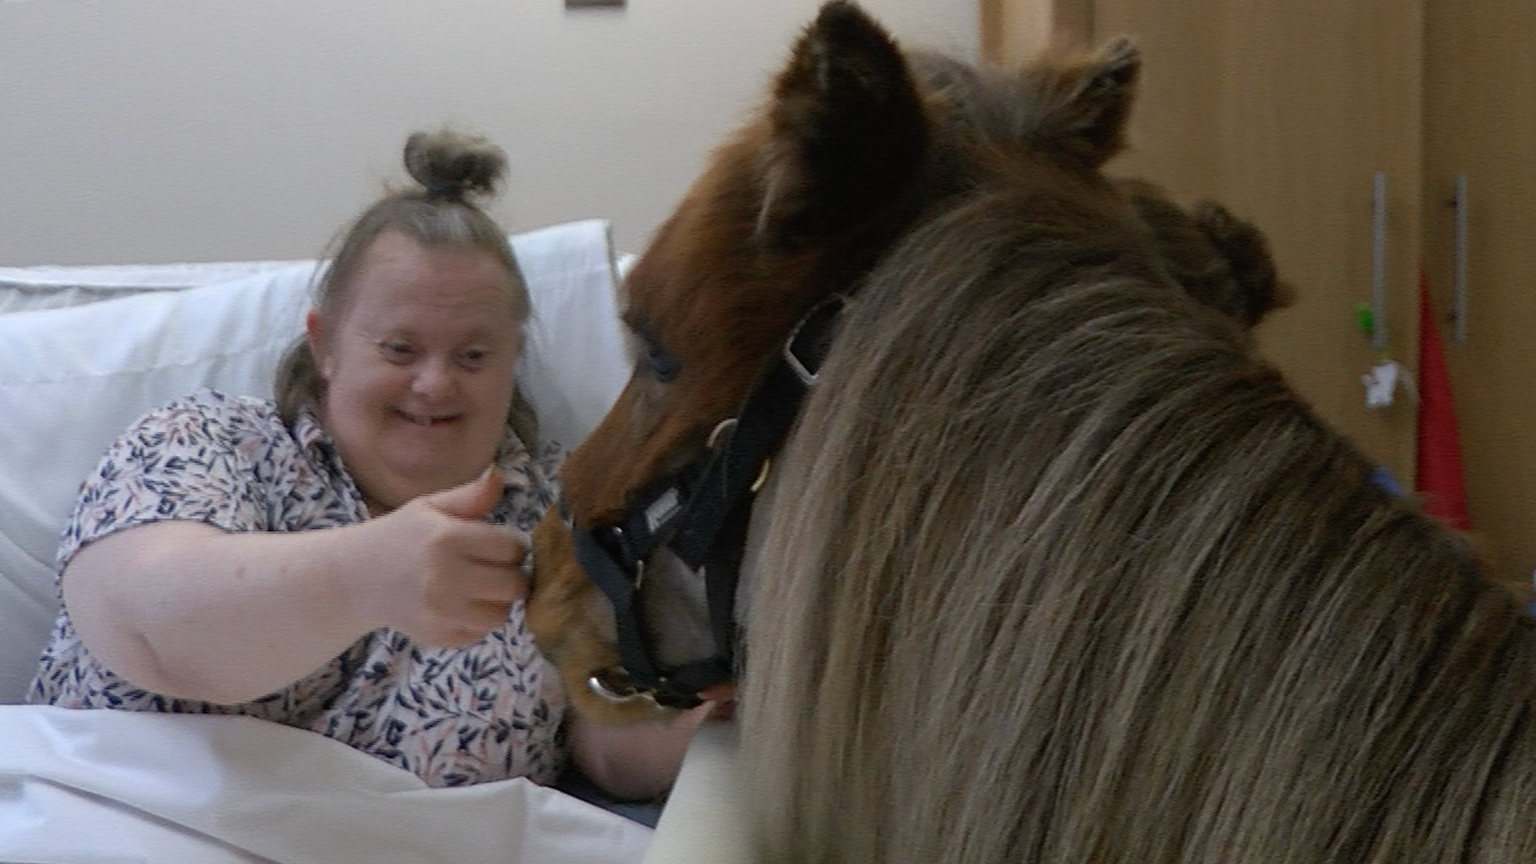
635,762
190,611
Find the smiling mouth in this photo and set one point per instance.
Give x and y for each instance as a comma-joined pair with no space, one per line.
426,419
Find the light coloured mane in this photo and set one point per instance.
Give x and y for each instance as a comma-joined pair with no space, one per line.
1060,571
1072,575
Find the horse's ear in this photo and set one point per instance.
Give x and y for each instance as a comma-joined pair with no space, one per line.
847,124
1246,250
1085,105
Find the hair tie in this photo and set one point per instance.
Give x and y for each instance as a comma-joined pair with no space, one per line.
441,189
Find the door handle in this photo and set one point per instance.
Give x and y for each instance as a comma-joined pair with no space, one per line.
1459,299
1379,262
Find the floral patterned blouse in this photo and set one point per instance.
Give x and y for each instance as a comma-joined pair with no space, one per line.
452,716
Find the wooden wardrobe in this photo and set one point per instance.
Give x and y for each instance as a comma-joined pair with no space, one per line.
1341,129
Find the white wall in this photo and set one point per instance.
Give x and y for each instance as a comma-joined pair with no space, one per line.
194,130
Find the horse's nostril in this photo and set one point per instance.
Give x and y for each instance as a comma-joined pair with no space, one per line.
612,685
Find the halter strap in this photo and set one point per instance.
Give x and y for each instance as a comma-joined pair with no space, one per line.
701,514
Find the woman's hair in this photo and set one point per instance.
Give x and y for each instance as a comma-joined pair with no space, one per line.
450,170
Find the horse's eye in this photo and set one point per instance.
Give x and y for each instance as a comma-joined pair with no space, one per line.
663,365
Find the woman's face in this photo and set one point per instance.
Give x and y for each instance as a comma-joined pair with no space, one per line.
418,368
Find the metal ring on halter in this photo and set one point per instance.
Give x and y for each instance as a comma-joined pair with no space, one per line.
803,371
613,693
724,427
762,476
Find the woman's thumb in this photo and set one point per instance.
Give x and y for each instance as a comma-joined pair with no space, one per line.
472,500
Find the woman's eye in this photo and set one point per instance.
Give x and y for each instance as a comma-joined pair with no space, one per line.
397,351
663,365
474,357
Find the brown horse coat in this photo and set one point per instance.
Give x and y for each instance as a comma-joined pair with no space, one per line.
1061,570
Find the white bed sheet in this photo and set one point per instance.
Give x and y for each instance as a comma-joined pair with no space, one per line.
705,820
103,787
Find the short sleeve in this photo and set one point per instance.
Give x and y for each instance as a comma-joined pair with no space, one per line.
198,459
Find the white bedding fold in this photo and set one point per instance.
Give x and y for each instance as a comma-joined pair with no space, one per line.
111,786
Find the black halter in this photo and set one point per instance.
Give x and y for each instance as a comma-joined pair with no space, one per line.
701,513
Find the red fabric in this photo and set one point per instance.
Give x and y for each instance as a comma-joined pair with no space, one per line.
1438,479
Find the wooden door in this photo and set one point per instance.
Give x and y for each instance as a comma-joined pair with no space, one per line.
1285,112
1481,123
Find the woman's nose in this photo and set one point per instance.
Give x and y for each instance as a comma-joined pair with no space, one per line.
434,377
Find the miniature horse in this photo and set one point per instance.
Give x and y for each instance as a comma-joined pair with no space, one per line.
1056,567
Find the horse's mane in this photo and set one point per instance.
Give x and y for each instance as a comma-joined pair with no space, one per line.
1072,575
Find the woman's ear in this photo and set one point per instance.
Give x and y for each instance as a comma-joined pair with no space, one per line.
315,335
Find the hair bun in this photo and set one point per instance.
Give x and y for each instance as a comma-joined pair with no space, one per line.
453,165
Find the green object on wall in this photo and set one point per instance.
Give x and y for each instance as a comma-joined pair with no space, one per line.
1365,318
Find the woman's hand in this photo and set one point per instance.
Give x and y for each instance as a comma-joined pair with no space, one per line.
438,573
638,761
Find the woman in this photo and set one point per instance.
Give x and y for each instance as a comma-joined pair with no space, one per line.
194,578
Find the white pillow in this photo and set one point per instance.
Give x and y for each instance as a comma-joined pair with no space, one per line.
577,360
24,289
73,378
